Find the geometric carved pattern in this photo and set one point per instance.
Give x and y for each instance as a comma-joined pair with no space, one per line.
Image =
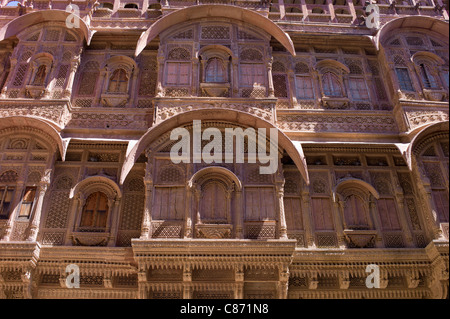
215,32
166,230
133,208
19,231
171,174
53,239
381,182
260,231
59,210
393,241
9,177
326,240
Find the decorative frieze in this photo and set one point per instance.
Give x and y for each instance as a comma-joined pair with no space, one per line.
330,122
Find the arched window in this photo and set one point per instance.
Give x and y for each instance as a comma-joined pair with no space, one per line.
95,211
331,85
429,81
213,205
39,78
118,82
215,71
355,213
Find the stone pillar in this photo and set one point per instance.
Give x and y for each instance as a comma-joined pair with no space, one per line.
271,89
159,87
77,204
307,220
235,77
188,213
187,282
114,222
402,212
292,87
239,278
339,220
239,215
69,86
376,218
101,88
142,282
133,87
283,284
280,199
146,230
43,186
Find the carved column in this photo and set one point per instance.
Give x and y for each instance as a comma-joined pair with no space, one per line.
307,220
376,218
281,213
69,86
239,278
187,282
235,77
146,230
77,204
159,86
195,77
142,283
283,284
339,222
133,86
43,186
292,88
114,223
239,215
271,90
402,212
101,88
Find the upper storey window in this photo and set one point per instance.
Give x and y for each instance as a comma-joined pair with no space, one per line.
331,85
215,71
95,211
428,79
252,68
421,65
178,67
118,82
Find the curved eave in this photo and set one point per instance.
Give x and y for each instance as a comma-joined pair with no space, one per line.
294,149
21,23
214,11
421,22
